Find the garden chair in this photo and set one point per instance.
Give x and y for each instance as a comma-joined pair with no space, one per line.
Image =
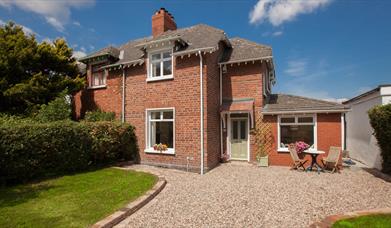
297,162
332,159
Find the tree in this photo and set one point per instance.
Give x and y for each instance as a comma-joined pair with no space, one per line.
32,73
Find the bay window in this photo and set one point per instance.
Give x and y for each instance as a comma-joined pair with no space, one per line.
160,65
296,128
160,130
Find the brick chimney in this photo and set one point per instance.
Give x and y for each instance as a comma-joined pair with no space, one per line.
162,21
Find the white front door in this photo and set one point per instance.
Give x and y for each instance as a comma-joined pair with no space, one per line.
239,139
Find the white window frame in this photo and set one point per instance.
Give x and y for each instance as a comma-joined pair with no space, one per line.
314,123
92,79
161,60
148,120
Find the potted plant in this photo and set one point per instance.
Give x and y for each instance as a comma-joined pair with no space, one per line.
160,147
263,140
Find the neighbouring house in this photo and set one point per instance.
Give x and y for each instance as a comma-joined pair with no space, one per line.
199,92
360,141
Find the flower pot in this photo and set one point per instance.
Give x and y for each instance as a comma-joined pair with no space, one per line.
263,161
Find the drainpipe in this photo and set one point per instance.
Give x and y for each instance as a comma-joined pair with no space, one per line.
123,95
221,120
202,114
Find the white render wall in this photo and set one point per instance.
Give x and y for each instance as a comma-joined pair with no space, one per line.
359,138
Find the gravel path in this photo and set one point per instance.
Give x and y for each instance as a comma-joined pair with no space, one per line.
243,195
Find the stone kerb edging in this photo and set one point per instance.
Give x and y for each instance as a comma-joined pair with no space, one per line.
133,206
330,220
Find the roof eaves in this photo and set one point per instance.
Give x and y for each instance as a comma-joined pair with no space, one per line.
247,60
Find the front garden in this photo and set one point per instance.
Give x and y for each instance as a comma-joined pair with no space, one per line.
76,200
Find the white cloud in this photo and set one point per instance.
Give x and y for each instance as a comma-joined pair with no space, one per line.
297,67
279,11
76,23
277,33
56,13
26,29
79,54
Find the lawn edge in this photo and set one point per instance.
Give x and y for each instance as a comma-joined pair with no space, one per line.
133,206
330,220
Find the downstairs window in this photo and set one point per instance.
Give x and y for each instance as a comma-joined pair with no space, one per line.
296,128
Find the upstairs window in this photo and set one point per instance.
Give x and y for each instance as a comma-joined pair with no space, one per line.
160,65
98,76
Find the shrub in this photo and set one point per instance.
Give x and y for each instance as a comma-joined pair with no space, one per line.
380,119
35,150
58,109
99,115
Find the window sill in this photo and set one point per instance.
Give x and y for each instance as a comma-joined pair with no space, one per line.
284,150
152,151
160,78
97,87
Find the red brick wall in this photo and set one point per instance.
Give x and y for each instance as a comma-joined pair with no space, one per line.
244,81
328,131
212,109
107,99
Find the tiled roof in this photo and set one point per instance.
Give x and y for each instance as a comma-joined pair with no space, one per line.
291,103
110,50
195,37
243,49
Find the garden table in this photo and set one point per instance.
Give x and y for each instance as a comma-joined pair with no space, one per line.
314,163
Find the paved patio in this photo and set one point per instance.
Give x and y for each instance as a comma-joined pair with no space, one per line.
243,195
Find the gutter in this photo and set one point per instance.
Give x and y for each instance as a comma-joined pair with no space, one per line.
306,111
247,60
202,114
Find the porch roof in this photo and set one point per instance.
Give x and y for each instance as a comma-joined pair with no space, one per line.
240,105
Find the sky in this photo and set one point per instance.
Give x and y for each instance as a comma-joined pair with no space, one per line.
326,49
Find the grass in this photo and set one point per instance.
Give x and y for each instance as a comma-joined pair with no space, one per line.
373,221
71,201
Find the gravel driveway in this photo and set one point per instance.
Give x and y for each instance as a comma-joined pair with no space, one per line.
243,195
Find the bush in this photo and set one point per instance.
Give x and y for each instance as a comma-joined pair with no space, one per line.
58,109
99,115
32,150
380,119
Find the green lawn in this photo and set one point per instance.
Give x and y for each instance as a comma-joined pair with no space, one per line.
373,221
71,201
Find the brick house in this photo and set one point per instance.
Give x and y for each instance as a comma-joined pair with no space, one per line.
199,92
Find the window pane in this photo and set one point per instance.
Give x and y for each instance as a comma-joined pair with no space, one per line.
168,115
156,56
155,115
166,54
243,129
156,69
287,119
162,132
305,120
167,67
235,129
293,133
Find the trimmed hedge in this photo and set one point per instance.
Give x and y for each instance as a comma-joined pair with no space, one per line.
380,119
32,150
98,115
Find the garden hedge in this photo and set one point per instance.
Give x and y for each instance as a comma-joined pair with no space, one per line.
380,119
31,150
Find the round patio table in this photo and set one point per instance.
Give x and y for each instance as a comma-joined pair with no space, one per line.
314,163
